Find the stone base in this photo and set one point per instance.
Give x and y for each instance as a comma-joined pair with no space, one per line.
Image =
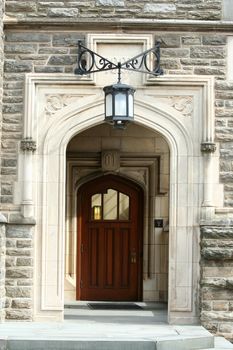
217,281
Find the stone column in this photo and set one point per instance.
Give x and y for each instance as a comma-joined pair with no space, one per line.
208,148
28,146
2,266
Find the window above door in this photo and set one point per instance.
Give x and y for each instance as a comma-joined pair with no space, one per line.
110,205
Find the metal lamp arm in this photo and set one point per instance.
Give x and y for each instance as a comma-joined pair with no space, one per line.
96,63
91,62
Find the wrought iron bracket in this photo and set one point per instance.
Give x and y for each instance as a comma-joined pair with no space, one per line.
147,62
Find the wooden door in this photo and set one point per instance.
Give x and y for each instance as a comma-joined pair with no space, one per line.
110,243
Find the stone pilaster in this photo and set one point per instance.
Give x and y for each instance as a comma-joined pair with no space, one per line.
216,278
28,146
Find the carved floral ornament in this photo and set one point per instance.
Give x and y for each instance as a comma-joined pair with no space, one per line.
183,104
55,102
28,144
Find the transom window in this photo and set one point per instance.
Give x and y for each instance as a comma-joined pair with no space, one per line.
110,205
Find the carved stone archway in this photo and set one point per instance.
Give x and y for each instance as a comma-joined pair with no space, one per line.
181,109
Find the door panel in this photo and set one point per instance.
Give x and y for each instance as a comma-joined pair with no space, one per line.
94,242
110,233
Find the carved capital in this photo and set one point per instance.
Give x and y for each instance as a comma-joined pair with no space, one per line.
28,145
208,147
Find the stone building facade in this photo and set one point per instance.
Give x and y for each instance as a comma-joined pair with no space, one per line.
179,151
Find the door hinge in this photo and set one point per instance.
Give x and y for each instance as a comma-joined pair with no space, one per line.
81,284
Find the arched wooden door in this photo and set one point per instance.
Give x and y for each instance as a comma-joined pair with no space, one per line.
109,240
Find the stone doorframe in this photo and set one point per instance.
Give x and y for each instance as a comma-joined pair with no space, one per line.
57,107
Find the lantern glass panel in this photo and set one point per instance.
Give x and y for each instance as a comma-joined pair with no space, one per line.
120,104
130,100
108,105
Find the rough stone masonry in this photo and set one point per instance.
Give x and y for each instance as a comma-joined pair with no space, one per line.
217,278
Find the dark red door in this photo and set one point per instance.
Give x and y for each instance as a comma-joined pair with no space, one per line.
110,244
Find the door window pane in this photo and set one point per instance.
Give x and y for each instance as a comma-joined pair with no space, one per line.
96,206
110,205
123,206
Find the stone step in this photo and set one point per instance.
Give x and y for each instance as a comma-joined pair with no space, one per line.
221,343
108,335
194,343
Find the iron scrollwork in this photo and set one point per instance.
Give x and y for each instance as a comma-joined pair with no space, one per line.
146,62
142,62
91,62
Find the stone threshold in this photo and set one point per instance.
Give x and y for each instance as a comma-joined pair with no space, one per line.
92,335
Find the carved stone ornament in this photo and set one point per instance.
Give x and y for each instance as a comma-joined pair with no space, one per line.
110,160
140,175
55,103
28,144
208,147
183,104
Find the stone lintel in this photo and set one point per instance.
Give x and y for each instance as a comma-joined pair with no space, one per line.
115,23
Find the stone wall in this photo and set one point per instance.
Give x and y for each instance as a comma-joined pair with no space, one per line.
2,267
1,62
2,226
19,271
156,9
217,279
56,52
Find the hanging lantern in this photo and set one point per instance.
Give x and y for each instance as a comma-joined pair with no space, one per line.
119,104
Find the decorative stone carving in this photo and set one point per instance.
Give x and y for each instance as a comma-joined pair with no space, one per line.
208,147
110,160
79,174
183,104
138,175
28,144
55,103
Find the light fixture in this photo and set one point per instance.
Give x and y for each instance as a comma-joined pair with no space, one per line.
119,98
119,104
96,212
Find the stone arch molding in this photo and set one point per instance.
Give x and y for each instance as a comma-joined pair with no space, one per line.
44,175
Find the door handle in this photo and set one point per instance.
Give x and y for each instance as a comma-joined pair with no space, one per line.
133,257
